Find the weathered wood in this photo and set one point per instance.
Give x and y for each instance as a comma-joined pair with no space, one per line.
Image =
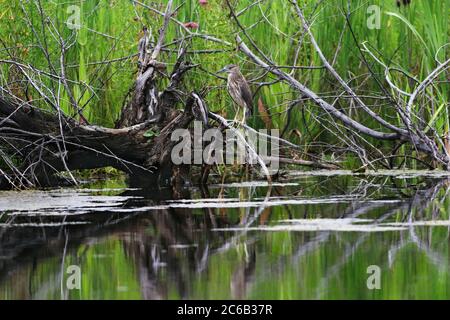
43,147
44,143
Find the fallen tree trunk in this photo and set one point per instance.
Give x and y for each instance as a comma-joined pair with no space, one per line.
36,144
44,146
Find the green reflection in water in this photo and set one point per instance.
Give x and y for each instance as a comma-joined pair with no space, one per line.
175,253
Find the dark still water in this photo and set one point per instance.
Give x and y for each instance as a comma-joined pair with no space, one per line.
322,236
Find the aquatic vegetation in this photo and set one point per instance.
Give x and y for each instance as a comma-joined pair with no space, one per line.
311,237
405,48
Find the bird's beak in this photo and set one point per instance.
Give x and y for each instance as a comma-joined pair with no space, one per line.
222,70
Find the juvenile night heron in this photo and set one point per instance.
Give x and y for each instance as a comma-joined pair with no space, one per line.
239,90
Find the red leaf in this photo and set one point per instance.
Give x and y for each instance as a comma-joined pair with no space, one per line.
265,114
191,25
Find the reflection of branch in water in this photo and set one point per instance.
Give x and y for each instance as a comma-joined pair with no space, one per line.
180,242
394,249
248,222
334,269
352,212
202,264
432,255
172,228
421,199
419,203
243,275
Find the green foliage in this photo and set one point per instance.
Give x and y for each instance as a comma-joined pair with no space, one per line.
119,263
150,133
409,39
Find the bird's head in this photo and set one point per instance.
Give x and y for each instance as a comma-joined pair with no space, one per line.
229,68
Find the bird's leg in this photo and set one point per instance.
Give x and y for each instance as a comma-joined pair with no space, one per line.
236,115
235,118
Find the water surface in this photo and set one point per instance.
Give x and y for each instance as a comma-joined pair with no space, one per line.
308,236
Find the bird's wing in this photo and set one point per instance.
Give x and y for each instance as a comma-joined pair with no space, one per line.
235,92
246,95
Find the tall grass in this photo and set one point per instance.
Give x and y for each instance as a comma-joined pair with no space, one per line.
409,39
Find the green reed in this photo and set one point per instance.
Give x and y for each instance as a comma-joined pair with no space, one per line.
409,39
